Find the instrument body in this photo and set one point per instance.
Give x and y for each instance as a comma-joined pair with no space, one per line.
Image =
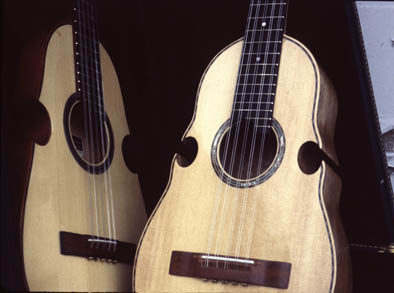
60,191
291,217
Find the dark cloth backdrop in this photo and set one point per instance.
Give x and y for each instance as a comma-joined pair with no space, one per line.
160,50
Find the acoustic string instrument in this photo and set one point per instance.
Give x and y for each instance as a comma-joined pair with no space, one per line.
257,208
84,210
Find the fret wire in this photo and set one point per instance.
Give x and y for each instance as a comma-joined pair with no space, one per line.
270,94
252,90
258,53
252,110
266,30
260,64
261,38
254,94
258,74
267,4
259,84
256,106
263,102
266,17
261,31
257,70
265,42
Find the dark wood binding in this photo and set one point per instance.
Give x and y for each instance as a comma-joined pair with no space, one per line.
257,272
97,248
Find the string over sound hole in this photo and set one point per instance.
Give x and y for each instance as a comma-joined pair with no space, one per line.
247,151
244,155
89,135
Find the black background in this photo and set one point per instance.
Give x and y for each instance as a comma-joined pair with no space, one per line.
160,50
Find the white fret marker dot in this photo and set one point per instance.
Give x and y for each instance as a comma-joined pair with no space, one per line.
264,24
258,59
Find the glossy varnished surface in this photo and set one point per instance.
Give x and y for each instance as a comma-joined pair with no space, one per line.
59,193
292,217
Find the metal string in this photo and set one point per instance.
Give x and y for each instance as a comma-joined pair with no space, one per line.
240,192
259,169
95,140
233,151
249,117
102,123
87,114
88,43
269,29
247,126
264,126
219,187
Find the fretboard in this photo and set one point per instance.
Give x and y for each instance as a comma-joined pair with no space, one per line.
87,55
259,66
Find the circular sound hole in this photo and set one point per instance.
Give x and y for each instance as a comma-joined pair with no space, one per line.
245,152
89,136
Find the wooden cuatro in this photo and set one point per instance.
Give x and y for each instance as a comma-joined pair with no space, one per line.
253,212
84,210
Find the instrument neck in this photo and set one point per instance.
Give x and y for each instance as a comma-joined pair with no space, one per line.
259,66
87,55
